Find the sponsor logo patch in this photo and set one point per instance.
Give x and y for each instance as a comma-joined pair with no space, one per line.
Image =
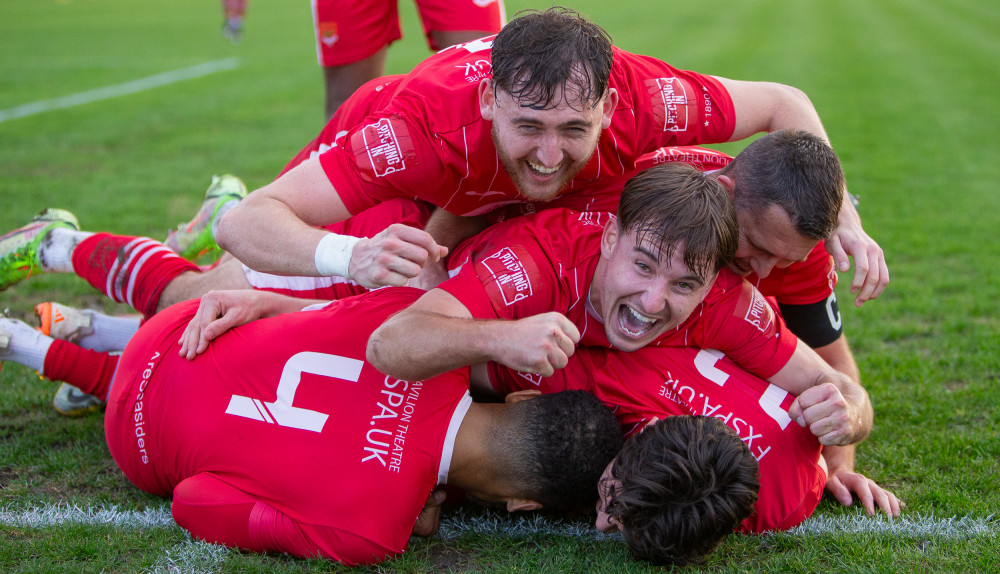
759,314
670,103
509,275
383,147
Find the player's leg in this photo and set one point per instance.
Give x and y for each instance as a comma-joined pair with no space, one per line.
86,329
90,371
342,81
351,41
450,22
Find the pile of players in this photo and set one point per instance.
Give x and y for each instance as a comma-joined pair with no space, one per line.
522,220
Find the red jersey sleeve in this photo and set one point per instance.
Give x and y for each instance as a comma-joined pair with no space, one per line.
511,282
383,157
671,107
737,320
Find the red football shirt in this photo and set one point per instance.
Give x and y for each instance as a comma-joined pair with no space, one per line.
661,382
422,135
281,438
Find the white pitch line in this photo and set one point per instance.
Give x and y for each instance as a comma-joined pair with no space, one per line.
56,514
125,89
489,523
908,525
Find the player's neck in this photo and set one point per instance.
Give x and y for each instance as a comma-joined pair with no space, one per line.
472,463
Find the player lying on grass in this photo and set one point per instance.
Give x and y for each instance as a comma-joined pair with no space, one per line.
294,437
666,198
748,298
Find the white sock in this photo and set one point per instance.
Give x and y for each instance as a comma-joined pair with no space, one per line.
110,333
27,346
55,254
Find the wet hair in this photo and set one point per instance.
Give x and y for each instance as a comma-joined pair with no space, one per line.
558,447
674,203
685,483
795,170
543,56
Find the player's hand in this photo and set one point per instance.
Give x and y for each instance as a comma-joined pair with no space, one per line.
828,415
218,312
394,256
431,275
871,275
430,517
539,344
842,483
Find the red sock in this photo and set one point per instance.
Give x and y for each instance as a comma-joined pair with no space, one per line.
86,370
131,270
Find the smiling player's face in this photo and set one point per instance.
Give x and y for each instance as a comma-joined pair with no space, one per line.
543,150
638,293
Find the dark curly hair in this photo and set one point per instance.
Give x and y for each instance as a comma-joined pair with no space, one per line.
684,484
557,446
542,56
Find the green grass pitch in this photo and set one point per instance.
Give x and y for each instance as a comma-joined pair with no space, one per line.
908,94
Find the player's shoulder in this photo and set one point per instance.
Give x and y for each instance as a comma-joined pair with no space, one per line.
444,88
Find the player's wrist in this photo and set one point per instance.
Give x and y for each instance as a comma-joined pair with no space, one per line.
333,255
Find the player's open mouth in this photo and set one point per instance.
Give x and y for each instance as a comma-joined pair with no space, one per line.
633,323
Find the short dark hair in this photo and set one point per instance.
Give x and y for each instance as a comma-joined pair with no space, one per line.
675,203
685,483
539,54
795,170
560,446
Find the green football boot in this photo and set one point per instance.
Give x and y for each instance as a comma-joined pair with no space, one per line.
195,239
19,248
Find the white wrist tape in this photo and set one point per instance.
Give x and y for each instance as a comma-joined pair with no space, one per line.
333,254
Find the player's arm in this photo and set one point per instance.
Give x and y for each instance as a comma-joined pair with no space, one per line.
220,311
768,107
835,407
842,481
839,356
274,230
438,333
819,325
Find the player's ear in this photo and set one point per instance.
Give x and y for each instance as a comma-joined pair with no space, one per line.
521,396
727,182
608,109
522,504
610,237
487,99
